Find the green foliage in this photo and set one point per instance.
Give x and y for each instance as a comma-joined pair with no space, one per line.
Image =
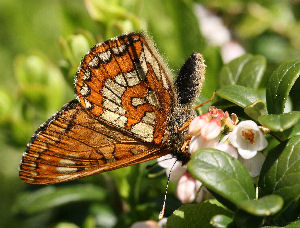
42,43
50,197
246,70
222,174
193,215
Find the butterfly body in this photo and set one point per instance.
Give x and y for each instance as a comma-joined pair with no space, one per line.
127,111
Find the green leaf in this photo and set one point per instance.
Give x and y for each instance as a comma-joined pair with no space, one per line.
264,206
256,109
66,225
280,173
239,95
221,221
279,85
196,215
295,224
223,174
243,219
296,129
280,122
51,196
246,70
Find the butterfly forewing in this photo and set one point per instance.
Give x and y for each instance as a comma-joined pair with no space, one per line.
124,83
71,145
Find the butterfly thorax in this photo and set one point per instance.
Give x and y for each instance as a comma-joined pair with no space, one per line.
178,138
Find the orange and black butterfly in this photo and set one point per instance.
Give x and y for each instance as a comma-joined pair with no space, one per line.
127,111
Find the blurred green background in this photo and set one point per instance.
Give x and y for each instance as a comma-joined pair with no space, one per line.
41,45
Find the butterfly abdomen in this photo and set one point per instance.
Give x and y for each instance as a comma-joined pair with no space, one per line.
190,79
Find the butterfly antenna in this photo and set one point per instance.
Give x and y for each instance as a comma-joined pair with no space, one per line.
199,105
162,212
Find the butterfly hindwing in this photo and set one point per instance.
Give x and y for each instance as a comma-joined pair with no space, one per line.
124,82
71,145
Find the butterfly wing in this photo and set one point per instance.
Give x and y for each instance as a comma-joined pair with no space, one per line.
124,83
71,145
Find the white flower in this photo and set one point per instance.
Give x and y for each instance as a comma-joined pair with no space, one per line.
167,162
248,139
228,148
254,164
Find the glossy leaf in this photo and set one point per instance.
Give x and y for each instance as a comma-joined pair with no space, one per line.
243,219
223,174
256,109
239,95
50,197
264,206
196,215
280,84
280,122
280,173
221,221
246,70
295,224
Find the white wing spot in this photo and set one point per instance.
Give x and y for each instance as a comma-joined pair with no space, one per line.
87,75
121,80
137,101
132,78
87,103
113,107
114,118
143,61
152,99
104,56
119,49
66,162
144,131
149,118
66,170
94,62
85,90
116,88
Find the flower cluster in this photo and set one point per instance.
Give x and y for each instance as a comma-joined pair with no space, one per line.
216,129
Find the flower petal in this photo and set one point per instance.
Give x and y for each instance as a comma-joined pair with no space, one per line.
254,164
145,224
196,125
211,130
228,148
177,171
166,161
198,142
247,154
186,188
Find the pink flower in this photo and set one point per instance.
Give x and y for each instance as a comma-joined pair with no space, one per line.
188,188
205,130
206,125
145,224
150,224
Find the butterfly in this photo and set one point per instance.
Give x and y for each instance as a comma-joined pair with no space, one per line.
127,111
